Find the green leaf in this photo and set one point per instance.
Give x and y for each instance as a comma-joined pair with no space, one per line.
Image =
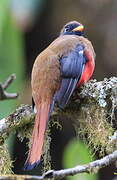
76,153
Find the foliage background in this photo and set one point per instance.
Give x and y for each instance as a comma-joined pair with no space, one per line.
26,28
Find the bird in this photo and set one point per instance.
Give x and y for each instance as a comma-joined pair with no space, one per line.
66,64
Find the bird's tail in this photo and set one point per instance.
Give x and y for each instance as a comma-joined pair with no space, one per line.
35,151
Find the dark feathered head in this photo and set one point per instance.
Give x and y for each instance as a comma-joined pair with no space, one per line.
73,28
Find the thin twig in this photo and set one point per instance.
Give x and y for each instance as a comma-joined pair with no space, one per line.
8,81
58,174
3,94
20,177
87,168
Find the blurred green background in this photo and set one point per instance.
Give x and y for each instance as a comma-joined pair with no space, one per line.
29,26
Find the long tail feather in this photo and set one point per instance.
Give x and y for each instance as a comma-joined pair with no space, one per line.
35,151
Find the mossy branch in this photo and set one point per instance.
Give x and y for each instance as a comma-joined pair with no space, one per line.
17,120
93,111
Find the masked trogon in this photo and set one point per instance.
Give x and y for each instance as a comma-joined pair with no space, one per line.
67,63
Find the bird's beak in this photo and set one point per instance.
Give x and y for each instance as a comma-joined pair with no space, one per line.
79,28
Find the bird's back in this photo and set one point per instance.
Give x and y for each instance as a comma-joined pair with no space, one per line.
46,74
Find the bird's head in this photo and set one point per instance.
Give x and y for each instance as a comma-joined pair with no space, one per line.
73,28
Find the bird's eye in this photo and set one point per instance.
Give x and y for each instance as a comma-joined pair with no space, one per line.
66,29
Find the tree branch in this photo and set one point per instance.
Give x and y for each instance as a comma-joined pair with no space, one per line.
15,121
90,106
92,167
87,168
3,94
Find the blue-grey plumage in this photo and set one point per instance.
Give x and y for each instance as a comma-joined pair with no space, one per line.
71,68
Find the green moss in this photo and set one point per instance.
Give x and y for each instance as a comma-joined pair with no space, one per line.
96,114
93,126
25,132
46,150
5,161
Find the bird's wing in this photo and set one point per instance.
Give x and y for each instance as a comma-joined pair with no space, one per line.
72,67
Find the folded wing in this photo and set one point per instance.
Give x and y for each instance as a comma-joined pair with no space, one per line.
72,67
